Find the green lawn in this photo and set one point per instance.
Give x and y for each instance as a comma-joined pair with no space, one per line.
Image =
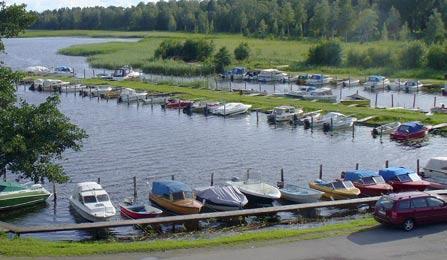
265,53
36,247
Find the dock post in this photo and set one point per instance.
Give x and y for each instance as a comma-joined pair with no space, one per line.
99,180
377,97
357,166
392,100
93,73
353,130
321,172
84,73
260,87
230,86
434,101
212,179
54,192
311,124
418,171
172,177
282,175
248,173
414,100
274,87
257,115
341,92
245,85
332,125
386,164
134,186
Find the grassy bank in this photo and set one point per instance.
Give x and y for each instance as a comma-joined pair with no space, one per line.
265,53
267,102
36,247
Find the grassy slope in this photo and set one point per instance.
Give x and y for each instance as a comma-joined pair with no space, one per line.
36,247
265,52
266,103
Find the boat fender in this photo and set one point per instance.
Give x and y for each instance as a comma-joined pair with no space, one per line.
326,127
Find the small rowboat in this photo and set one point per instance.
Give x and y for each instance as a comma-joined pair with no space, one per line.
299,194
139,211
174,103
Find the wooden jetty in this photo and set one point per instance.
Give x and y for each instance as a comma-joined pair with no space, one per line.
193,217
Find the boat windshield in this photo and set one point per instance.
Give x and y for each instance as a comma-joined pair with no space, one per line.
102,198
181,195
338,185
373,180
404,129
414,177
89,199
404,178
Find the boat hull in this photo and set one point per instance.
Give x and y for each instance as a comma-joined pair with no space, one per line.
181,207
410,186
18,200
373,190
126,212
86,215
403,136
336,194
258,200
301,198
217,207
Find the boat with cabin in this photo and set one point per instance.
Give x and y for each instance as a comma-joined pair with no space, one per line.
376,83
301,91
131,95
284,114
230,109
221,198
174,196
272,75
124,73
256,192
370,183
300,194
436,167
92,202
318,80
403,179
237,73
409,131
334,120
320,94
336,190
16,195
63,70
385,128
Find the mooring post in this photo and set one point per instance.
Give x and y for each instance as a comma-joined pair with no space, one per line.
357,166
377,97
392,100
134,186
260,87
341,92
99,180
282,175
418,171
386,163
245,85
257,115
172,177
274,87
332,125
212,179
93,73
311,124
414,100
84,73
54,192
321,172
434,101
353,130
248,173
230,86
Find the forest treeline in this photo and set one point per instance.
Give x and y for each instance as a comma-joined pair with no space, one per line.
353,20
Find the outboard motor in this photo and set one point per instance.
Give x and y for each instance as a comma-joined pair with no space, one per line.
295,119
375,132
188,109
326,127
32,87
306,123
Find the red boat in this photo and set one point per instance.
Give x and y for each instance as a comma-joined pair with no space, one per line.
403,179
177,103
409,131
139,211
369,183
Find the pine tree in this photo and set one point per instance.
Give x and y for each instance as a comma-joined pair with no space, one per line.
435,31
319,22
404,33
393,23
384,33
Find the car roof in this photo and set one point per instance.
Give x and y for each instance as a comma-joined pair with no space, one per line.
408,195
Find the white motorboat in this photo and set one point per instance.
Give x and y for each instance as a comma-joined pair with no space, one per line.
270,75
63,70
285,113
50,85
386,128
38,70
96,91
221,198
257,192
73,88
155,99
318,80
300,194
124,73
321,94
335,120
131,95
349,83
237,73
376,83
301,91
230,109
436,167
92,202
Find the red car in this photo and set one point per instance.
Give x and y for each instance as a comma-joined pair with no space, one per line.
409,131
408,209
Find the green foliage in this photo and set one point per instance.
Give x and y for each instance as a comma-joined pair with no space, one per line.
371,58
242,51
325,53
412,55
189,50
437,57
366,25
435,32
222,59
177,68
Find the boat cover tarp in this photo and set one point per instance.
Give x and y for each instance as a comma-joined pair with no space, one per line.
359,174
224,195
411,127
391,172
9,186
169,187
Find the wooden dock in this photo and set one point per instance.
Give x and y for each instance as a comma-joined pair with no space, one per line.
192,218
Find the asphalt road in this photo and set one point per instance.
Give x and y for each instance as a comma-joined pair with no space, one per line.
428,242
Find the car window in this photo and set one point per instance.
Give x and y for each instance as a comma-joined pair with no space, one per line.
434,202
404,205
418,203
385,202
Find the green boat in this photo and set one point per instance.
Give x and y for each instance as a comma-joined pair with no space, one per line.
14,195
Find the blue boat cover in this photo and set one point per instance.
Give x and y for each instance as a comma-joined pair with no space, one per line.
391,172
359,174
169,187
411,127
376,78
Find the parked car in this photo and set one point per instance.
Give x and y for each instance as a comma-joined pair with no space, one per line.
408,209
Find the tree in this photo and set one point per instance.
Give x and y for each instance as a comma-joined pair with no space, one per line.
242,52
404,33
319,22
366,26
172,24
346,18
384,33
262,29
326,53
222,59
287,15
435,31
413,55
437,57
31,137
393,23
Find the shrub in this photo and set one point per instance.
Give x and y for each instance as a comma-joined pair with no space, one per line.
169,49
222,59
379,57
356,59
437,57
413,55
242,52
190,50
325,53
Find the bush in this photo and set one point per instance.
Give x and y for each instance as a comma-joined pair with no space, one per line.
325,53
190,50
371,58
356,59
177,68
437,57
222,59
242,52
413,55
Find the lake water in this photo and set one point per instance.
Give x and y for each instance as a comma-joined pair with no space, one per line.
126,141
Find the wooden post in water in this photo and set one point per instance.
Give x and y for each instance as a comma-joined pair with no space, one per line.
434,101
245,85
377,97
282,175
257,115
341,92
357,166
321,172
84,73
248,173
99,180
93,73
230,86
332,125
260,87
54,192
353,130
386,164
311,124
212,179
418,171
414,100
134,186
274,87
172,177
392,100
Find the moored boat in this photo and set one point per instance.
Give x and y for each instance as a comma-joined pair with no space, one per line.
442,109
230,109
376,83
38,70
436,167
349,82
369,183
334,120
320,94
336,190
178,103
409,131
403,179
63,70
221,198
301,91
131,95
299,194
257,192
124,73
357,100
386,128
284,113
92,202
174,196
15,195
318,80
139,211
271,75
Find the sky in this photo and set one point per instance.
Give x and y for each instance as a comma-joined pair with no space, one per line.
40,5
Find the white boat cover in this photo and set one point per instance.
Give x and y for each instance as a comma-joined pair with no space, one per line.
224,195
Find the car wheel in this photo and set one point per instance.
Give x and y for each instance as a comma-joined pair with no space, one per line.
408,225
